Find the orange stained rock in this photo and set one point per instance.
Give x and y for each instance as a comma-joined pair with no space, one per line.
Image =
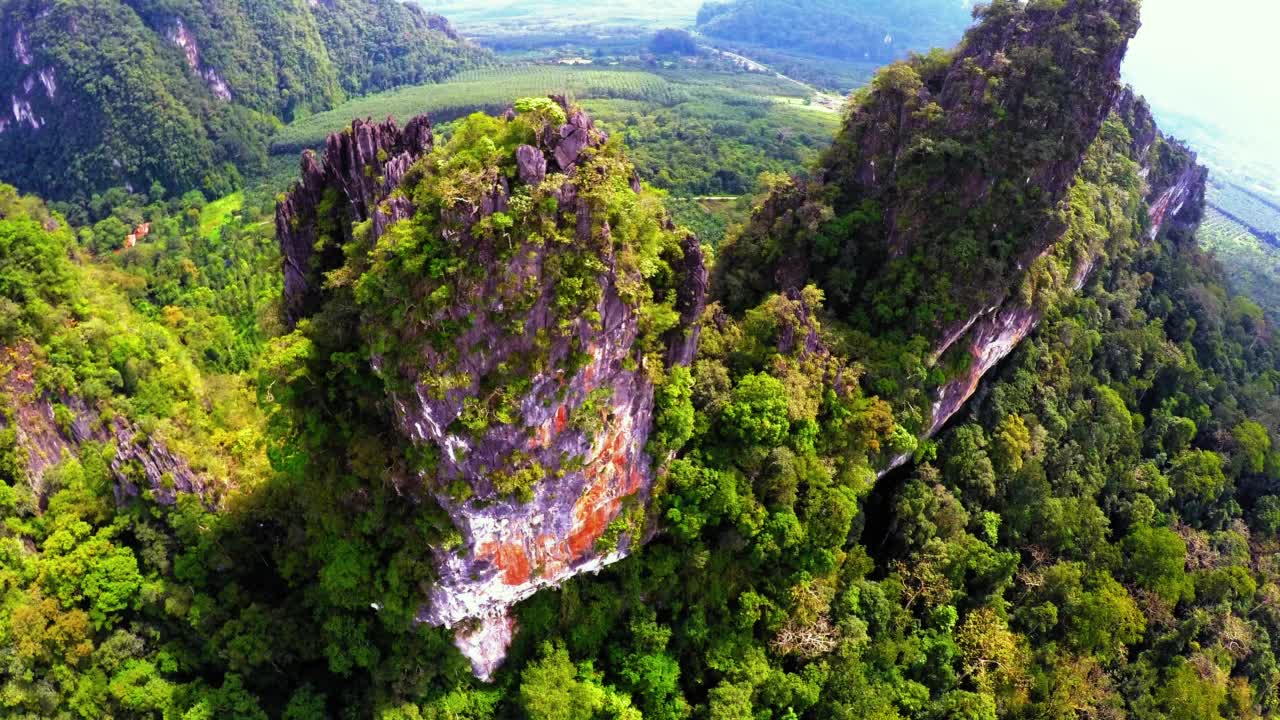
610,480
596,490
513,562
611,443
562,418
589,526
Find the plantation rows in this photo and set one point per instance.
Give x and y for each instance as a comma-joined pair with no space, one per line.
1251,264
487,90
1220,228
1262,216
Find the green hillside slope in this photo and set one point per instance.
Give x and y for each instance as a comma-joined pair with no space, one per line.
111,93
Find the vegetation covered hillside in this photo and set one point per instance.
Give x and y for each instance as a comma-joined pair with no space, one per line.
248,468
111,93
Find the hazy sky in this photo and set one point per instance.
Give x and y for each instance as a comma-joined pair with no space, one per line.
1214,59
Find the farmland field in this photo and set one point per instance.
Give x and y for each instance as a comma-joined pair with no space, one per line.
1252,265
485,18
1262,216
716,143
490,89
692,132
214,215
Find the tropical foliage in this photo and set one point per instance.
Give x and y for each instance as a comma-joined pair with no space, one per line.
1096,536
184,93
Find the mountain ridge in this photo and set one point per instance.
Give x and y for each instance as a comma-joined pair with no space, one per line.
184,94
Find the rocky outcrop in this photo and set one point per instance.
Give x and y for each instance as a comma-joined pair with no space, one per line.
22,47
691,301
601,416
186,41
582,431
1174,180
530,164
571,139
942,187
1002,160
24,105
990,336
441,24
362,167
556,484
1135,113
48,429
942,202
1185,192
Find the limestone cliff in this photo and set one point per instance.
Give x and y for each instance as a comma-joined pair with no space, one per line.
519,312
361,167
947,208
1173,182
941,188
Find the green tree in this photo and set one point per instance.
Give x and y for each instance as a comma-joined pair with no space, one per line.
554,689
1010,444
1155,558
1193,691
1197,480
1252,445
757,412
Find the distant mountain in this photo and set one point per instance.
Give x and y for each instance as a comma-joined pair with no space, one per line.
864,30
103,93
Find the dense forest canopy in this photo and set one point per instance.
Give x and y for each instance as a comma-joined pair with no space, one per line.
216,505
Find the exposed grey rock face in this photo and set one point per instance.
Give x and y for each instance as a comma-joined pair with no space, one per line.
512,547
22,106
22,47
1136,114
139,463
574,137
362,166
990,340
181,36
531,164
691,301
186,41
600,414
1168,204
